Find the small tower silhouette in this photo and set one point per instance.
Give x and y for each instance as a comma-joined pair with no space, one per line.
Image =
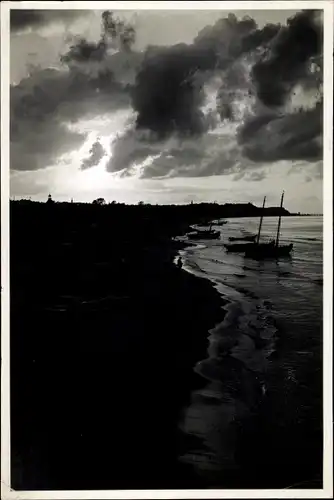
50,200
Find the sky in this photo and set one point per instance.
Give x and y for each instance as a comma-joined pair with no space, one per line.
167,106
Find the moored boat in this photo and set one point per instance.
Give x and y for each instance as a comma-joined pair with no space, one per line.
268,251
204,234
243,247
273,250
251,237
238,247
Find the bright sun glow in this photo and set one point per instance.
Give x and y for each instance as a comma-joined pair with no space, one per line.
103,129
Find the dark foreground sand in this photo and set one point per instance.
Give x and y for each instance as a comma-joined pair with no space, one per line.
105,332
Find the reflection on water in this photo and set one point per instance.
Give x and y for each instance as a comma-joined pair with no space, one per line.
263,370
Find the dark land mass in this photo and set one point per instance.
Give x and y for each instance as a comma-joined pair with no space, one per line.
105,333
189,213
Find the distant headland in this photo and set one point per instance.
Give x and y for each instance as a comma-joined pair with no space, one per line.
203,210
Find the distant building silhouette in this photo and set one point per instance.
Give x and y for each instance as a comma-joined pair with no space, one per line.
50,200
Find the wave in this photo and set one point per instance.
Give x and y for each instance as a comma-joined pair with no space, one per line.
239,351
251,349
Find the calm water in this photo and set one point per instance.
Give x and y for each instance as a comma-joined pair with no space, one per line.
260,408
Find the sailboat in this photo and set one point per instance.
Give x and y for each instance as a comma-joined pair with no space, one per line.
255,241
204,234
272,249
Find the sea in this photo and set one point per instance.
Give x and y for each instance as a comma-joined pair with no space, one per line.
256,418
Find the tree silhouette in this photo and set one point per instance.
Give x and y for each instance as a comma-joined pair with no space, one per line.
99,201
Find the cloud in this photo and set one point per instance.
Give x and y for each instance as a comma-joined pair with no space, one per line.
283,118
202,156
132,148
41,146
82,51
169,97
43,105
315,172
116,35
286,63
236,98
96,154
165,94
22,20
269,138
121,33
92,82
168,92
257,176
110,55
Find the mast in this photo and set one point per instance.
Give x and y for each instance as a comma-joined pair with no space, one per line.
279,221
259,232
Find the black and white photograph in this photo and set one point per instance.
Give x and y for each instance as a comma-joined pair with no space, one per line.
166,249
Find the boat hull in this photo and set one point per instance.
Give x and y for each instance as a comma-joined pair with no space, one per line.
245,247
238,247
251,238
204,235
269,252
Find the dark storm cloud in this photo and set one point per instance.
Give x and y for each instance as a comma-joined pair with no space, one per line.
169,89
135,146
44,102
110,57
208,155
83,51
96,154
21,20
276,132
286,63
165,94
166,87
265,63
252,126
185,162
115,34
235,85
272,131
278,137
41,146
92,82
132,148
117,30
